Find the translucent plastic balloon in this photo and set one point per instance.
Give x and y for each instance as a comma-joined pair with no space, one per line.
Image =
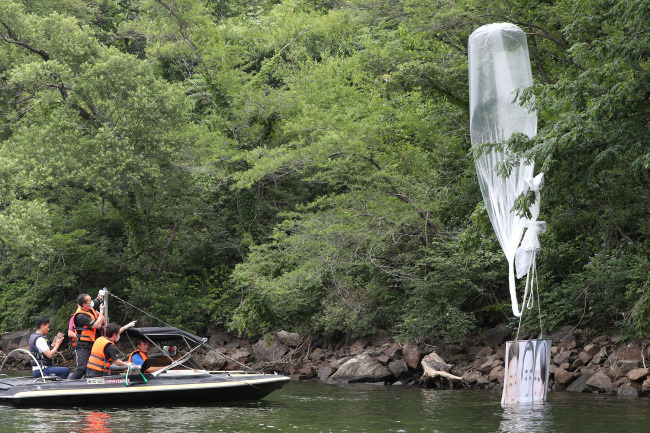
498,66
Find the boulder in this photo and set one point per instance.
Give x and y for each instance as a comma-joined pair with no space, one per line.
273,353
358,346
307,372
627,390
645,387
324,372
599,357
600,381
622,368
399,369
15,340
497,374
584,357
629,353
219,339
290,339
562,357
214,361
317,354
435,362
412,355
495,336
362,368
564,377
580,384
637,374
591,349
475,378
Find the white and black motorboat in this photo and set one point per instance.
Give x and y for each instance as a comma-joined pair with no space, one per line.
181,381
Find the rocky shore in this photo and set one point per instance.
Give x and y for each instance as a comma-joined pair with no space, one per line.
604,364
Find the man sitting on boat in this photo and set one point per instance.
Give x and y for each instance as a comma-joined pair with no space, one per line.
138,357
104,353
43,353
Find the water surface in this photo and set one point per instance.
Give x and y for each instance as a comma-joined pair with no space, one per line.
316,407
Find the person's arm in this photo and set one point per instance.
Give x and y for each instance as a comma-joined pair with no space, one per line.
99,321
127,326
42,346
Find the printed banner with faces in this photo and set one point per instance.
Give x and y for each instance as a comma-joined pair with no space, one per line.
526,375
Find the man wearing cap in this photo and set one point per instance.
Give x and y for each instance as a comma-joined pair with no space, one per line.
139,356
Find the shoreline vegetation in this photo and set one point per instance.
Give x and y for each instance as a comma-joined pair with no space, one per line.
600,364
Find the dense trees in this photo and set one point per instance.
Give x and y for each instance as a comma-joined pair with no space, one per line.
307,165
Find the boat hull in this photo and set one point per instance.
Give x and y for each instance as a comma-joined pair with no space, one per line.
172,389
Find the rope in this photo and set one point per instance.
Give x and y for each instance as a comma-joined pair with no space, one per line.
171,326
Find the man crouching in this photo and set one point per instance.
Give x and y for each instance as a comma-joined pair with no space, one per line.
104,353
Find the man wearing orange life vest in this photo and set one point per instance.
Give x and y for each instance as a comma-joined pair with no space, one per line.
87,324
104,353
138,357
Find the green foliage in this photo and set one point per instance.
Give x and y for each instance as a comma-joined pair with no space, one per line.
302,165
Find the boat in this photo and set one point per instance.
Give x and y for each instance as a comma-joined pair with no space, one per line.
181,381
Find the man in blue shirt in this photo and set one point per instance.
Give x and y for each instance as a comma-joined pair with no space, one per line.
139,356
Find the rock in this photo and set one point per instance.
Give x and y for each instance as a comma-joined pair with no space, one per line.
564,377
433,361
412,355
214,361
621,369
627,390
219,339
580,384
362,368
497,373
637,374
584,357
591,349
630,353
600,381
383,359
577,363
562,357
358,346
317,354
645,387
495,336
290,339
15,340
241,355
399,369
394,351
274,353
307,372
475,378
485,351
599,357
325,372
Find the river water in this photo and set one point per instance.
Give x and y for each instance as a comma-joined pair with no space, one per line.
316,407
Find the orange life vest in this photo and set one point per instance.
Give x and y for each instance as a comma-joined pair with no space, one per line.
143,355
84,333
97,361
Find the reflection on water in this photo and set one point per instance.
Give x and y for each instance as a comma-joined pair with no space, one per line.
313,407
527,417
